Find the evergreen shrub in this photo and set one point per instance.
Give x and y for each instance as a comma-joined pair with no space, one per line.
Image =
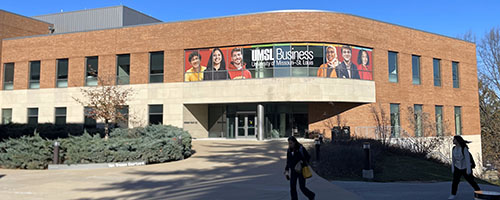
152,144
26,152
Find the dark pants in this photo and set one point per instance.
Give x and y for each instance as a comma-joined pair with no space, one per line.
317,151
457,174
302,184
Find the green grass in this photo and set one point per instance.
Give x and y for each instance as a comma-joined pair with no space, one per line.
344,161
391,167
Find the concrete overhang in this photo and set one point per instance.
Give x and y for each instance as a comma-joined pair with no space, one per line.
290,89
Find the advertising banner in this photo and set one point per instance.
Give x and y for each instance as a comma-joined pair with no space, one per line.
279,60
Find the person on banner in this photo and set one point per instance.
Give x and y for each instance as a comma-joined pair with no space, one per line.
195,73
364,68
297,157
329,68
237,69
216,67
346,68
462,164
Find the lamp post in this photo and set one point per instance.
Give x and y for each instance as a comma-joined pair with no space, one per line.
55,159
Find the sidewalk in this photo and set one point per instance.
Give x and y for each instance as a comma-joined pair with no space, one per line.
220,169
410,191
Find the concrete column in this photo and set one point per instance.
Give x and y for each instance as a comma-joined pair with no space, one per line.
260,121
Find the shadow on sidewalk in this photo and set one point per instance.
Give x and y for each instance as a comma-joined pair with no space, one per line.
240,171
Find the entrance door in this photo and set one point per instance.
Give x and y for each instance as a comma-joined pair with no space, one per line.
246,126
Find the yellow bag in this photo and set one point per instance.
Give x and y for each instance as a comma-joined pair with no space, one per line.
306,172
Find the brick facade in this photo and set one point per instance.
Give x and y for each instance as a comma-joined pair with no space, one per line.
174,38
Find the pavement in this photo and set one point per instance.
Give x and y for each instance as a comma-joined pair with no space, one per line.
411,191
220,169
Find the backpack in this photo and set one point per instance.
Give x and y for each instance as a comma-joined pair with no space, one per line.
472,163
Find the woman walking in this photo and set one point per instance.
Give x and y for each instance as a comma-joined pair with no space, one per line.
461,165
296,153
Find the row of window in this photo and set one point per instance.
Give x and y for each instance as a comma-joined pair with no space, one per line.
91,71
418,120
155,116
415,66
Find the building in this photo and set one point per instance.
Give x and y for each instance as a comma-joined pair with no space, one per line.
269,76
93,19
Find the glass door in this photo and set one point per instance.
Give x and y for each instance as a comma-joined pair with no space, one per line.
246,125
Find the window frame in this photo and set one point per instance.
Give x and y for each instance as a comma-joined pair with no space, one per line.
149,112
395,129
60,115
30,76
458,131
414,80
10,83
455,71
438,79
151,66
87,68
118,79
3,116
32,116
439,124
393,77
57,72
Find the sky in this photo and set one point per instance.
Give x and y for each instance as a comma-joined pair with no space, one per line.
446,17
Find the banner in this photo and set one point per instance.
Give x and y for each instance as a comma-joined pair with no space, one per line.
279,60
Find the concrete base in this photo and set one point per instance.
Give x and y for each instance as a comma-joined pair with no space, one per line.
96,165
490,195
368,174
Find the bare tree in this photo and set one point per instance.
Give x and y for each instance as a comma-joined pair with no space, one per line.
425,138
106,99
489,95
382,123
488,49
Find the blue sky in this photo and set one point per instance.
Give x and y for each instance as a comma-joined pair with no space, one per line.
445,17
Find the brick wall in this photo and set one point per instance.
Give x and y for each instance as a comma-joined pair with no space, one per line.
173,38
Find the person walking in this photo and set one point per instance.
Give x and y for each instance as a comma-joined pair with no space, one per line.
297,155
461,165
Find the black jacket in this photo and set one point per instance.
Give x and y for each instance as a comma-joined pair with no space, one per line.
298,155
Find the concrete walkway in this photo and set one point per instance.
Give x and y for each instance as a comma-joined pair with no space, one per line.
220,169
411,191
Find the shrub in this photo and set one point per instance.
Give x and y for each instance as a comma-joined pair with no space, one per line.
26,152
47,131
152,144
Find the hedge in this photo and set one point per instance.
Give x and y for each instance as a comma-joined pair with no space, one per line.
152,144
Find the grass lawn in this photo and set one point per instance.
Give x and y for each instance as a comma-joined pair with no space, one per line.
391,167
344,161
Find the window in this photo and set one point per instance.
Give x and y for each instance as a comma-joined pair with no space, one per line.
89,122
415,65
458,120
32,116
123,69
8,77
395,125
156,67
417,111
92,71
6,115
62,73
60,116
123,123
436,63
456,80
34,74
155,114
439,120
393,67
